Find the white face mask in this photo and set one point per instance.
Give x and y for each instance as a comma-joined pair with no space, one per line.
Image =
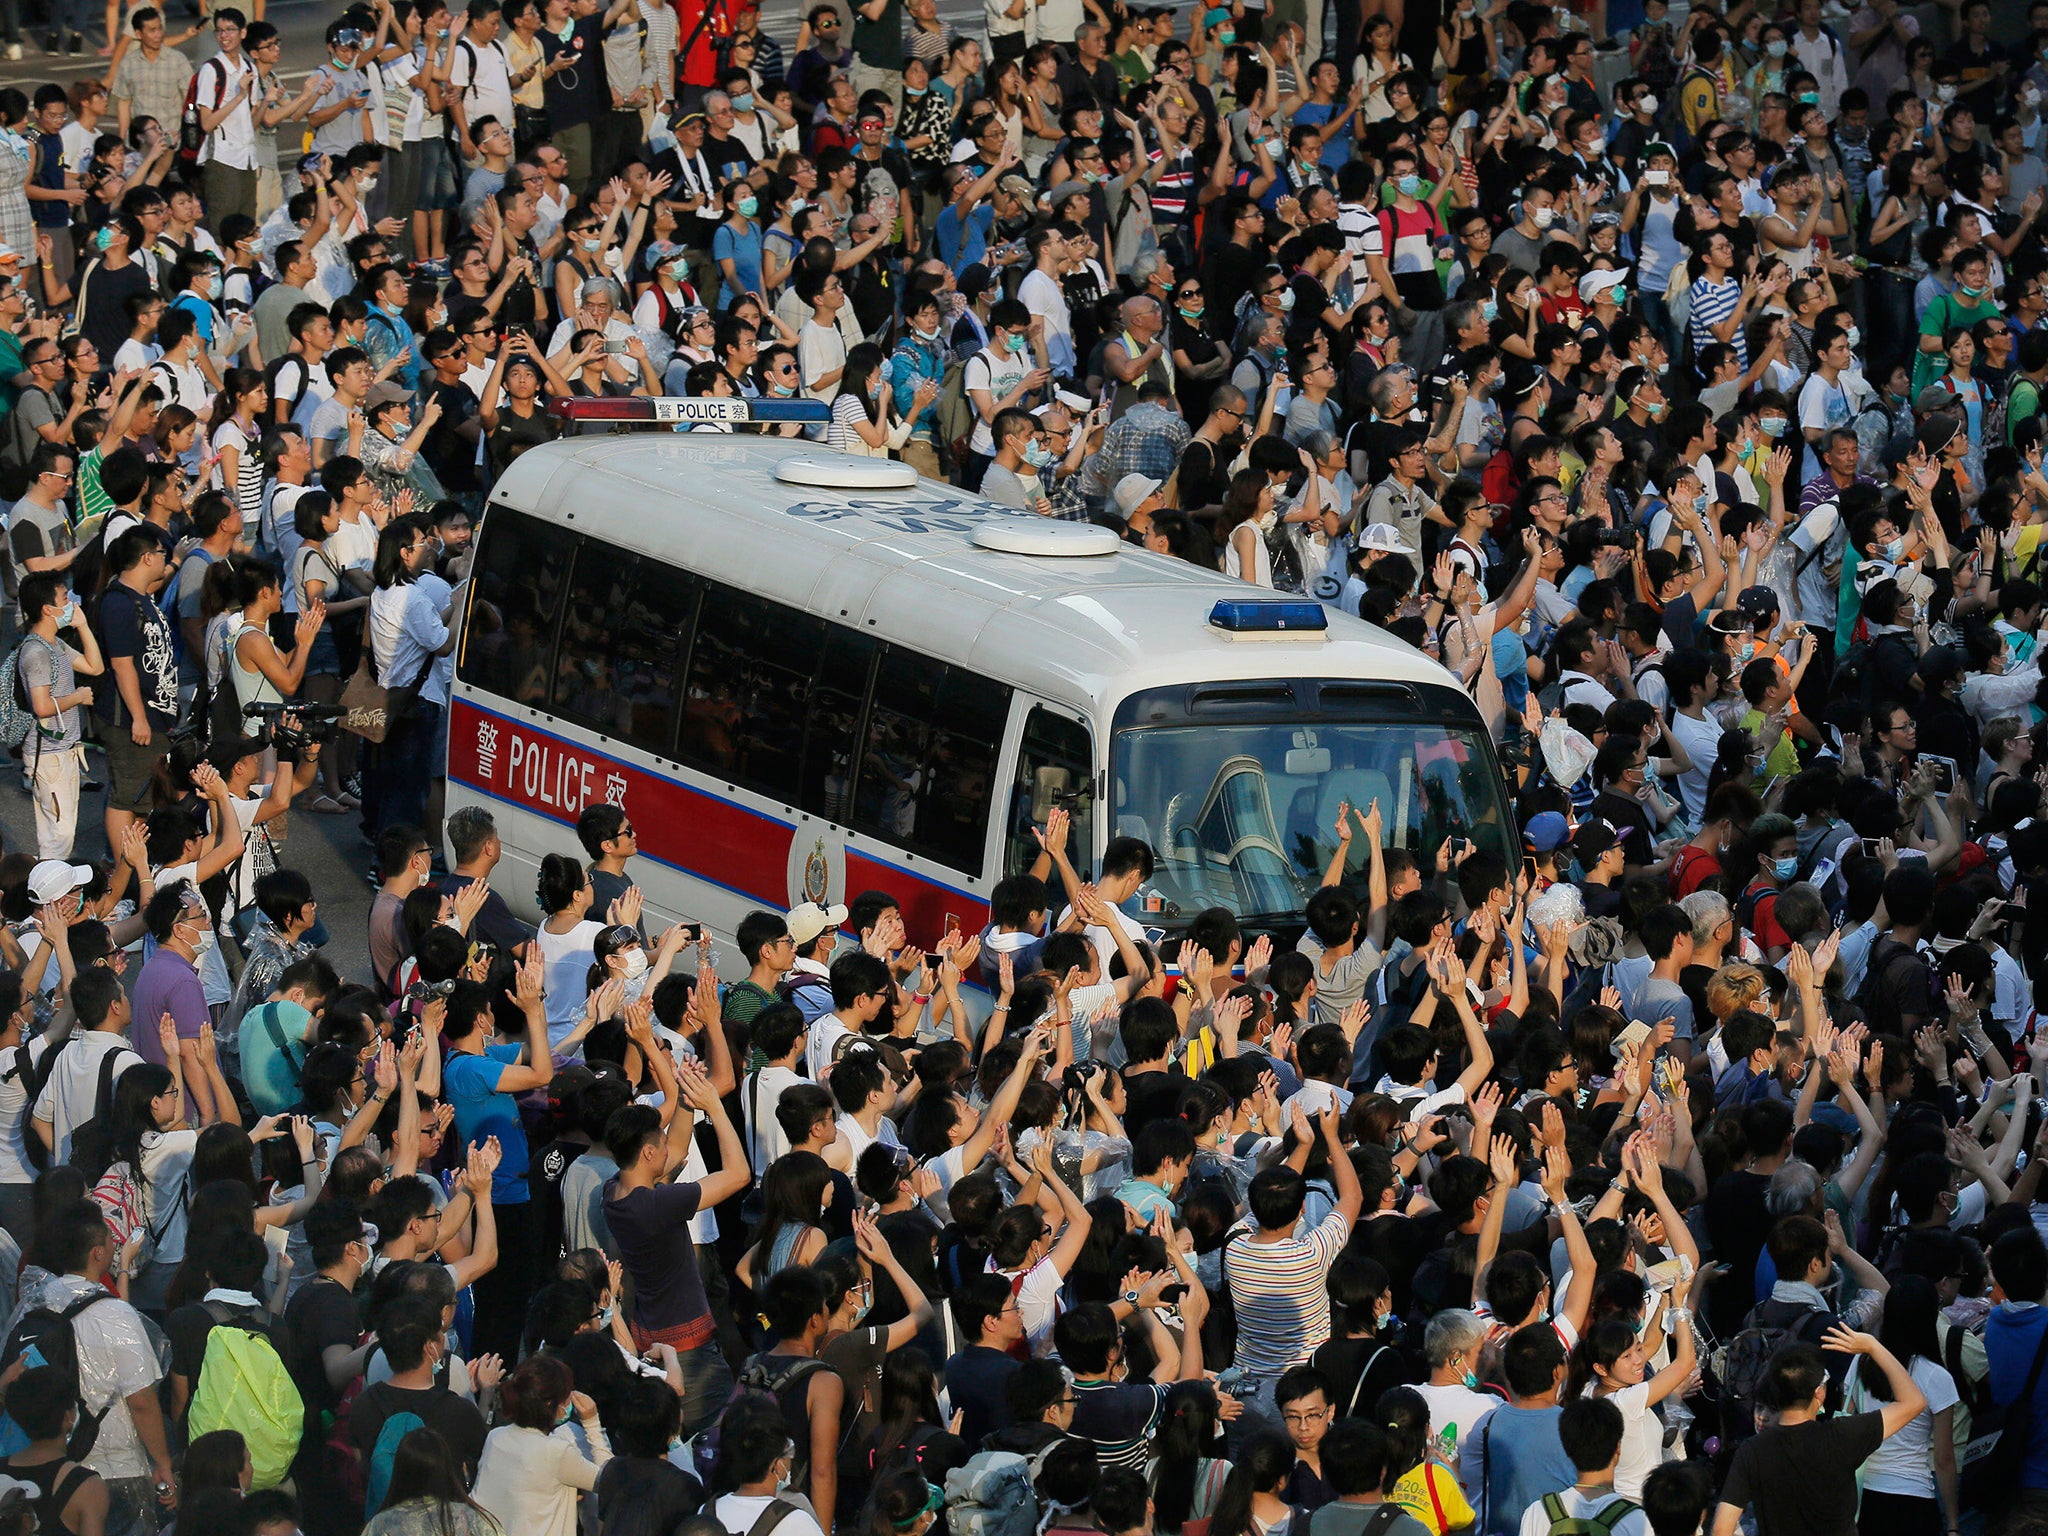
369,185
1543,218
203,941
635,964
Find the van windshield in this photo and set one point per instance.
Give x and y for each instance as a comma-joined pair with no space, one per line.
1243,815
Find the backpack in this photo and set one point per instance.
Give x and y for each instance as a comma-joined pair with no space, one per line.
121,1193
243,1385
92,1143
1875,998
191,136
1873,426
395,1429
1612,1513
787,1379
992,1496
955,419
49,1337
17,716
1741,1364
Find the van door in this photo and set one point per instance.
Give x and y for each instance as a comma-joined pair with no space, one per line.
1055,768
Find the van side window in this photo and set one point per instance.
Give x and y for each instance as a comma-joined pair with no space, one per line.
929,757
743,710
832,733
522,570
1055,769
623,630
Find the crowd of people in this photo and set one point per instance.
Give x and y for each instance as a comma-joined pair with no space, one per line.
1673,376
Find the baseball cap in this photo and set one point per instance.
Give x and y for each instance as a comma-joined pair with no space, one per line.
1017,187
1383,538
1760,604
1592,841
53,880
9,256
1546,832
806,922
1937,431
1593,284
1131,492
964,151
382,395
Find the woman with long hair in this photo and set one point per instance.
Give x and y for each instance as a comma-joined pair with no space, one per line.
1911,1479
1247,517
235,431
260,672
1253,1499
528,1477
1188,1470
153,1148
426,1496
1415,1481
908,1414
793,1196
863,408
566,940
317,585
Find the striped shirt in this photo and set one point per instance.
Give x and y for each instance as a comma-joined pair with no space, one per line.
1119,1416
1173,194
1281,1297
1713,303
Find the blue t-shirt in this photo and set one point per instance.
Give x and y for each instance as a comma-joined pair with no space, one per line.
1511,664
1337,147
744,252
273,1039
960,246
481,1112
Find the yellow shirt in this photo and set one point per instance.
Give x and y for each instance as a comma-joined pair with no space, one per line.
1432,1495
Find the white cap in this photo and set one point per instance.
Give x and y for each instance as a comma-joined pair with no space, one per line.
1595,283
964,151
1132,492
806,922
1383,538
53,880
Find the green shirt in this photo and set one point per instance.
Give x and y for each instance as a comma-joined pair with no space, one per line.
1947,313
2021,405
92,501
10,365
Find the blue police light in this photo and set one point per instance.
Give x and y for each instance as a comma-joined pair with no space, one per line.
1255,617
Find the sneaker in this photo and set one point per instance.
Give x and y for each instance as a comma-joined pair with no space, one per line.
77,44
354,785
13,51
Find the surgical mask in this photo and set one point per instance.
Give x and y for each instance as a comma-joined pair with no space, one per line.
1543,218
69,613
1268,520
743,102
1968,292
1191,311
908,90
204,941
1855,336
2031,96
1471,1382
369,185
611,1309
1748,649
1286,300
1016,345
782,1483
1648,106
1227,36
1409,184
1944,93
1596,145
568,30
782,391
1701,502
1774,426
1775,47
796,206
1809,98
679,270
590,245
924,335
1785,869
1037,455
1655,408
635,963
1489,311
747,206
1619,293
1893,550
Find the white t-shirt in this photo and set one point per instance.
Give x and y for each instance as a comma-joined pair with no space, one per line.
166,1159
565,960
948,1168
737,1512
1905,1462
1454,1412
826,1033
859,1140
1536,1519
997,373
765,1141
1702,742
1642,1439
1042,295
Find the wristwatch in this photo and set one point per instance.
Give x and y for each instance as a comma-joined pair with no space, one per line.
1131,1297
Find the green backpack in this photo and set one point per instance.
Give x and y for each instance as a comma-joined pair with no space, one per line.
1611,1514
244,1386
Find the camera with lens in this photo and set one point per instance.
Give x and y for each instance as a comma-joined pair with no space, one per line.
420,991
294,727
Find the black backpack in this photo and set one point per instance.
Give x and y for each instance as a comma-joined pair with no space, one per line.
92,1143
50,1335
787,1379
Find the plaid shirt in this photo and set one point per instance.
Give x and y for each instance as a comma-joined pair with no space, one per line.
1145,440
155,89
1064,493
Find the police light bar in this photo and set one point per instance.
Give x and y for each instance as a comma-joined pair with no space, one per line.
1254,617
687,410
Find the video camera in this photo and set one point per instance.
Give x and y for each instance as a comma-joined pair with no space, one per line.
294,727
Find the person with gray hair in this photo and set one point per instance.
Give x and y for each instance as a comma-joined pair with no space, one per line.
474,851
1713,926
1794,1190
1260,347
1451,1344
596,310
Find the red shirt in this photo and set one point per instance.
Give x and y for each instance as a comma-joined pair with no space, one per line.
1693,868
1564,309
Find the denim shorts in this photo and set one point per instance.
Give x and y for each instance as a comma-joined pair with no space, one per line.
437,175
